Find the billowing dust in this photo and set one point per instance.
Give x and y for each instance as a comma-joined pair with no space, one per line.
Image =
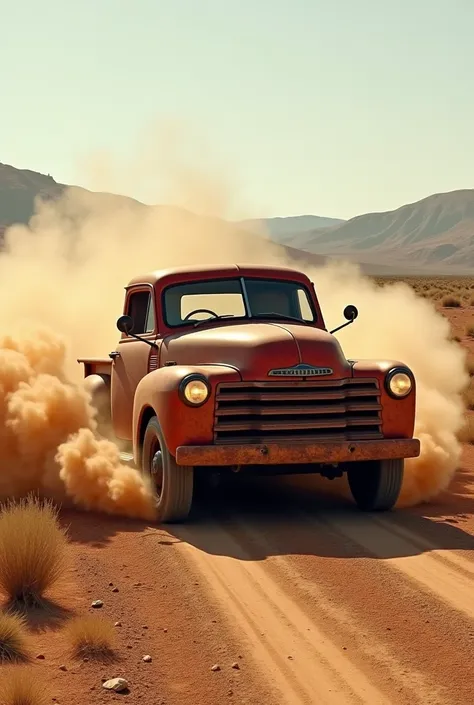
62,280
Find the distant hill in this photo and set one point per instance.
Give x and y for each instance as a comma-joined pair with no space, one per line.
279,229
434,235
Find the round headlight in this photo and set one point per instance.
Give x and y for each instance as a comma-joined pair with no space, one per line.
195,391
400,384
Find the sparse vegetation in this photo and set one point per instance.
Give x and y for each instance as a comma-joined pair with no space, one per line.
20,685
32,550
451,301
93,637
14,642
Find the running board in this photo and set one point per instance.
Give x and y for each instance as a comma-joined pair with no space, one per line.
127,459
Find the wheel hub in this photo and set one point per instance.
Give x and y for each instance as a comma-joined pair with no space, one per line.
157,463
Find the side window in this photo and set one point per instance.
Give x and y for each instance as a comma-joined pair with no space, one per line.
305,308
141,310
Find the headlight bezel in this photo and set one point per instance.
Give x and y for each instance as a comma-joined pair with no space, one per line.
187,380
396,371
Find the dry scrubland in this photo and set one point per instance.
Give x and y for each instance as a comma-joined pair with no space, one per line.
33,560
454,298
35,555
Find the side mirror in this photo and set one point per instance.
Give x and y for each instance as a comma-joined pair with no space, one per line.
125,324
351,313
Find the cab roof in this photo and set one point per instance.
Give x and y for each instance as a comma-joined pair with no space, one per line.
164,277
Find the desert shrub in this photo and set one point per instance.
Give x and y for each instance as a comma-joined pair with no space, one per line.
32,550
14,642
451,301
20,685
91,636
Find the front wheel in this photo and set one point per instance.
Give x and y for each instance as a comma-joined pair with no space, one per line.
173,483
376,485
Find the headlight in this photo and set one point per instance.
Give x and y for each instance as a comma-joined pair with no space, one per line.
399,383
194,390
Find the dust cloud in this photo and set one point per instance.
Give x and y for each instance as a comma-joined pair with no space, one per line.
63,279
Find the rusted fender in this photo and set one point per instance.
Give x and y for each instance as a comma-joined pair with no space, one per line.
181,424
398,415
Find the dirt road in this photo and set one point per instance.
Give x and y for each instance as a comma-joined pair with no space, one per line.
298,599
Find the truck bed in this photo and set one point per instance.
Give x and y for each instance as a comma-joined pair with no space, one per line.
96,365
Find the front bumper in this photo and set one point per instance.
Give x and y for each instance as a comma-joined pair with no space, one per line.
298,453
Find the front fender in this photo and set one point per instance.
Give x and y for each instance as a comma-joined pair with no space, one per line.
398,415
180,423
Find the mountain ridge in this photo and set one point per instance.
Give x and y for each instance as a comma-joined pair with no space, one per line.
432,235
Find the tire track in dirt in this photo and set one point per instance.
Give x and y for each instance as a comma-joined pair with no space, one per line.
368,613
319,671
454,585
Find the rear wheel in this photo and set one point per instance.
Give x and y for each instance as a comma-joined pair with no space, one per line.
376,485
173,483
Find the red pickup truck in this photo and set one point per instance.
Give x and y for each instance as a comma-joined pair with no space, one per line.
232,368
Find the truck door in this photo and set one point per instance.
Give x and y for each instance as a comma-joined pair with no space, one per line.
133,359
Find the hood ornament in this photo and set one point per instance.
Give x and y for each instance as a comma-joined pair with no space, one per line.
301,370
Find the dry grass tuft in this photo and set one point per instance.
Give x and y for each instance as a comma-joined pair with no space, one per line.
93,637
20,685
14,642
451,301
32,550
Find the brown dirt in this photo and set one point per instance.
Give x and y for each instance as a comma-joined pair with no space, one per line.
314,601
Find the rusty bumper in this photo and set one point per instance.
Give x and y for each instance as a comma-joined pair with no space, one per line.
284,453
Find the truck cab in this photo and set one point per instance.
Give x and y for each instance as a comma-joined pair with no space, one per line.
232,368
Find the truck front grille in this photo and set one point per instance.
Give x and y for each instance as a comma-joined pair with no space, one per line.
323,410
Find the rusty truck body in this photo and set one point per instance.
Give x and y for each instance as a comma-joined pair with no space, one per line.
232,368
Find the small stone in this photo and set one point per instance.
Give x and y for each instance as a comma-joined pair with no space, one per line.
118,624
115,589
41,657
85,659
62,668
97,604
116,684
215,667
165,631
147,658
236,666
144,626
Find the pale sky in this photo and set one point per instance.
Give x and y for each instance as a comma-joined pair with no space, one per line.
334,107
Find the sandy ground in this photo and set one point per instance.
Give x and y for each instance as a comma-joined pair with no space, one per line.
296,596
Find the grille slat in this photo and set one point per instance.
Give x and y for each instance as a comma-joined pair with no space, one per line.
295,411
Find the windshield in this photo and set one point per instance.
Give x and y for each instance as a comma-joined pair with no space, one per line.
244,297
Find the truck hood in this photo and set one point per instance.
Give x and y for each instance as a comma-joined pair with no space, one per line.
256,348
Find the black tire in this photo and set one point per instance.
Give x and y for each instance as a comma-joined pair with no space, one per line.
174,483
376,485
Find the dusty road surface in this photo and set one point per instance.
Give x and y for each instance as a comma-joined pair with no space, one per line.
294,597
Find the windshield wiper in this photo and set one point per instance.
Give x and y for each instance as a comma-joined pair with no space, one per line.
273,314
214,318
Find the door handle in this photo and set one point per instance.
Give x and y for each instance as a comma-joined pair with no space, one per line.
114,354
